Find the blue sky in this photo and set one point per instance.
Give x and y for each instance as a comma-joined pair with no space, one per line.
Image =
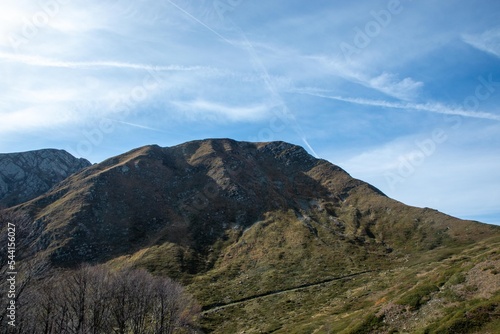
402,94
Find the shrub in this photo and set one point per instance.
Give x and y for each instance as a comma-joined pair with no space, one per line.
418,296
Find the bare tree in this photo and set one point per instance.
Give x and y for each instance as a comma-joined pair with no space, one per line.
99,300
173,307
50,314
140,288
121,306
130,293
76,287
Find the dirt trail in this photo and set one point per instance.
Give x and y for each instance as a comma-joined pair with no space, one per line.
219,306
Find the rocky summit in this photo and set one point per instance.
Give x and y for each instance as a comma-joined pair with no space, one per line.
270,239
188,195
26,175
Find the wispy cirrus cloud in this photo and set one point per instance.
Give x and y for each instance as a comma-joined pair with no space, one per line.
391,85
434,107
208,109
387,83
488,41
34,118
135,125
47,62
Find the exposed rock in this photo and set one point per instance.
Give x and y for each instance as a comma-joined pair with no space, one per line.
26,175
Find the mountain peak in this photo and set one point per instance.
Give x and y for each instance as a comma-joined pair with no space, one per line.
153,190
26,175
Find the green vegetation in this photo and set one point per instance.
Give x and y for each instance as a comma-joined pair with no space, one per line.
369,324
282,252
470,317
418,296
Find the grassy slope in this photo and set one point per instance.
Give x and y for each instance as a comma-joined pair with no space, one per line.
412,293
439,296
414,280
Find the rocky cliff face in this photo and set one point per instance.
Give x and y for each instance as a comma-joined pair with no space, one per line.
26,175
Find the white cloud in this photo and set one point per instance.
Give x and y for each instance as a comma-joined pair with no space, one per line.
488,41
34,118
387,83
205,110
47,95
12,17
26,24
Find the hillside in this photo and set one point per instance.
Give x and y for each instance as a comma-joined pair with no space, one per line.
271,240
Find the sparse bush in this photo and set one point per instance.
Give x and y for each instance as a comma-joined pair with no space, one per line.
418,296
457,278
469,318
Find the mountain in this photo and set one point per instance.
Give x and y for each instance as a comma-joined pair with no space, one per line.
271,239
26,175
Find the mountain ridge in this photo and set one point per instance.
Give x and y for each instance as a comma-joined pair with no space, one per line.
238,181
237,221
230,182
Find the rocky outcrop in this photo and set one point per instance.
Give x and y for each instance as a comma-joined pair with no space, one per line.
26,175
